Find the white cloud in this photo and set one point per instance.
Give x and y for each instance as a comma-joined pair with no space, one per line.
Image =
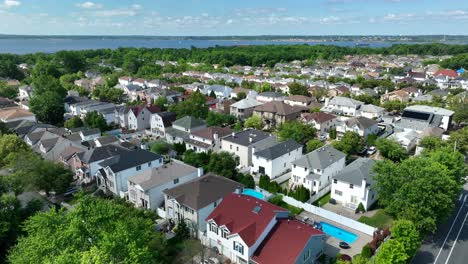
11,3
114,13
89,5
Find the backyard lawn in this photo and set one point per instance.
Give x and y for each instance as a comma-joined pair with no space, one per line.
379,220
278,200
324,200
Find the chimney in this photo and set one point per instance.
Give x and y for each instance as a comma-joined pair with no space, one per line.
215,136
363,186
233,134
251,138
200,172
238,190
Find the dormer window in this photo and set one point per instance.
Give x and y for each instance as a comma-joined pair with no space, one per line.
224,233
351,186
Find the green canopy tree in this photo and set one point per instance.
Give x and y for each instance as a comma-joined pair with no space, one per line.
351,143
74,122
296,88
194,105
297,131
391,150
48,107
7,91
95,120
223,163
254,122
95,231
391,252
314,144
405,232
9,145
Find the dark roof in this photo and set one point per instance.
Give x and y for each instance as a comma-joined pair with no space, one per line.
209,132
101,153
75,99
243,137
279,108
200,192
129,159
189,122
278,150
358,170
105,140
168,118
361,122
91,131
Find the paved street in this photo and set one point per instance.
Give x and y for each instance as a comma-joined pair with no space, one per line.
450,243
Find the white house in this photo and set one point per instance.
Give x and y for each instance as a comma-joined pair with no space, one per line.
248,230
361,125
372,111
145,189
408,139
90,134
160,122
194,200
342,106
355,185
276,160
115,171
322,122
242,143
315,170
207,139
181,129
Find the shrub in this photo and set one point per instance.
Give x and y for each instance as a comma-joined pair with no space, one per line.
367,251
360,208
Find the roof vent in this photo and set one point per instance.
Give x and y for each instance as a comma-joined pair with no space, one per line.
256,209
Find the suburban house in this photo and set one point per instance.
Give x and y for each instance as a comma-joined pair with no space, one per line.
361,125
298,100
249,230
315,170
145,188
181,129
221,91
244,108
266,97
207,139
277,112
24,92
139,118
398,95
275,160
354,185
408,139
15,114
372,111
243,143
90,134
87,163
160,122
116,170
321,121
194,200
421,117
342,106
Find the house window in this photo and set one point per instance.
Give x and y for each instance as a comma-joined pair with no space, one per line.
138,167
294,166
176,181
215,204
149,164
230,146
238,247
351,186
214,228
237,148
335,181
339,193
224,233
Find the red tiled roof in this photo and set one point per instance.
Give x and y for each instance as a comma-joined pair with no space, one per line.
209,132
236,213
446,72
287,237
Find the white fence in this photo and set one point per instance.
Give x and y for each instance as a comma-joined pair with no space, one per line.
320,193
369,230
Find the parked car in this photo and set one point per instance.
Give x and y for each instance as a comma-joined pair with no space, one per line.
371,150
344,245
323,138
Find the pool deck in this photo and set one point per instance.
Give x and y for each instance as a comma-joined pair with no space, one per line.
331,247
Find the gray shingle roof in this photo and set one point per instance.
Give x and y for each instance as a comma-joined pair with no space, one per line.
200,192
320,158
101,153
188,122
243,137
345,101
358,170
361,122
154,177
129,159
278,150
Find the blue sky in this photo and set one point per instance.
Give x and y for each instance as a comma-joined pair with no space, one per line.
233,17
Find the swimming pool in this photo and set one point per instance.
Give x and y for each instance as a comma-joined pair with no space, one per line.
338,233
254,193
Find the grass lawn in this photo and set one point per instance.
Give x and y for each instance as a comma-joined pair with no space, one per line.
324,200
278,200
379,220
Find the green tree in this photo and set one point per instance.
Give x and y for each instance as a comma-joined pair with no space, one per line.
223,163
194,105
351,143
459,139
10,144
238,126
432,143
461,112
405,232
74,122
196,159
391,252
218,119
371,139
9,69
332,133
95,120
418,189
246,179
161,102
95,231
359,259
394,105
47,83
314,144
296,88
182,231
48,107
71,61
240,96
7,91
254,122
160,148
107,94
296,130
391,150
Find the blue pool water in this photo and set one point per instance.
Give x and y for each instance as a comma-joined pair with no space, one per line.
338,233
254,193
